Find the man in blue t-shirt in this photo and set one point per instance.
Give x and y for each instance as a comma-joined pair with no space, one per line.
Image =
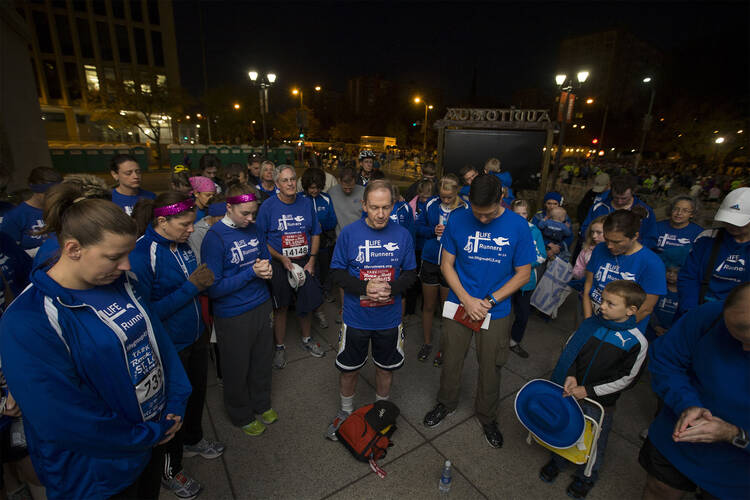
374,264
486,258
290,226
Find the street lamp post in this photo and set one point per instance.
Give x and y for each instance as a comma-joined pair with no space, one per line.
427,107
301,119
646,121
566,87
263,85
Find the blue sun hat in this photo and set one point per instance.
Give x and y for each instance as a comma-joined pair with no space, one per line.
556,420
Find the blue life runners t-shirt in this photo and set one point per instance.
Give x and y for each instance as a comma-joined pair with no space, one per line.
289,228
644,267
21,223
666,308
127,202
667,236
367,254
486,254
127,323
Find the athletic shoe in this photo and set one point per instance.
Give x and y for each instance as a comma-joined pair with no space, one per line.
549,472
579,488
492,435
424,352
205,448
269,416
322,320
335,424
436,415
313,348
519,350
438,360
182,485
279,358
254,428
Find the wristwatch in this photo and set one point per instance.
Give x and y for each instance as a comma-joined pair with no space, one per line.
489,298
741,439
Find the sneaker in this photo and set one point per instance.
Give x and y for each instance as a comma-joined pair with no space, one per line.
436,415
205,448
549,472
579,488
269,416
313,348
424,352
493,435
335,424
519,350
182,485
254,428
279,358
438,360
322,320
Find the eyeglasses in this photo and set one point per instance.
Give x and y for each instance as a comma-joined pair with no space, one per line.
682,210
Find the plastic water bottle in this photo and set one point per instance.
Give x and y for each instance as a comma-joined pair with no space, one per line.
445,479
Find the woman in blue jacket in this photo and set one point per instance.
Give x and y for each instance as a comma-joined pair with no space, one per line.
172,280
236,251
430,225
96,375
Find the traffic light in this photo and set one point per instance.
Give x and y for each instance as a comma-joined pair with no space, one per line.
301,135
414,124
594,141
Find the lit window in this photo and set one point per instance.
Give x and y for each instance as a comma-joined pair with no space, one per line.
129,85
145,88
92,79
161,80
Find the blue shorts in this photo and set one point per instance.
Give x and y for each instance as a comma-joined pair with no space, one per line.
354,344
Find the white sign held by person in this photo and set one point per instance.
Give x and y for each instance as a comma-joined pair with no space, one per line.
552,289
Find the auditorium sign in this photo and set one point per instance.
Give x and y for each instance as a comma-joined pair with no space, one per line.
495,118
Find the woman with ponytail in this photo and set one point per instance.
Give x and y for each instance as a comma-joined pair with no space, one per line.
97,376
166,266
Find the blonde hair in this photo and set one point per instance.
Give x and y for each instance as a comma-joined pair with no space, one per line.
589,239
492,165
449,182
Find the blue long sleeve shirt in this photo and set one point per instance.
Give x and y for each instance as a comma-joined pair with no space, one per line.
699,363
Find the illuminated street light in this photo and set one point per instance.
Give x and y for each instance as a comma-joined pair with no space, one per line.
647,79
583,127
271,77
417,100
560,79
429,107
740,131
253,75
199,116
719,140
236,105
582,76
253,122
589,101
318,88
566,86
187,117
646,120
295,91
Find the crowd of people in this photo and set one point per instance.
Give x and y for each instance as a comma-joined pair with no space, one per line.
123,294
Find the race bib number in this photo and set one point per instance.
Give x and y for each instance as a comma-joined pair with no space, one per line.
150,394
294,245
386,274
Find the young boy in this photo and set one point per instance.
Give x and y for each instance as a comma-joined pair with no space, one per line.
601,359
556,230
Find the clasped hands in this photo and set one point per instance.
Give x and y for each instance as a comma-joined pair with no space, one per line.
476,309
378,290
698,425
262,269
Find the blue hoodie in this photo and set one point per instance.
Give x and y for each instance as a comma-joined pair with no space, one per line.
698,363
48,252
230,252
163,275
402,215
732,267
67,368
426,222
324,208
15,266
647,233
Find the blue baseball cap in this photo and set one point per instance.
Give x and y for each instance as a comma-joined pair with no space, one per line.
556,420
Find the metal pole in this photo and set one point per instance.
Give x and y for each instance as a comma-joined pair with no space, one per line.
561,141
301,129
646,127
263,105
604,125
424,137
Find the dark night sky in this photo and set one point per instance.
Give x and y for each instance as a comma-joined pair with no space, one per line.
512,45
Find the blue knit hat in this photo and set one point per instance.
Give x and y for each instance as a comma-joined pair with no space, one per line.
554,195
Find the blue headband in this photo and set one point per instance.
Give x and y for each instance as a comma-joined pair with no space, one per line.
217,209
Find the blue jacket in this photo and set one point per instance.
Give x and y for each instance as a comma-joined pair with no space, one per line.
541,256
48,252
539,217
731,268
419,239
164,274
324,208
647,233
403,216
426,222
67,370
15,266
698,363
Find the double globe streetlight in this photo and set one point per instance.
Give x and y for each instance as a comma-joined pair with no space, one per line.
566,86
263,82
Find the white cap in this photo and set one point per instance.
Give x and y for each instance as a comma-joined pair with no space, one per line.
735,209
296,276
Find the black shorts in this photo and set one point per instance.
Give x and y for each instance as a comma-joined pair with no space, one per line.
307,298
431,275
387,348
662,469
8,453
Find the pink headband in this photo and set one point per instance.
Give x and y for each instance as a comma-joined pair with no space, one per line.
174,209
243,198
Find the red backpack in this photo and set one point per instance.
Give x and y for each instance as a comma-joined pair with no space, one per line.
367,431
